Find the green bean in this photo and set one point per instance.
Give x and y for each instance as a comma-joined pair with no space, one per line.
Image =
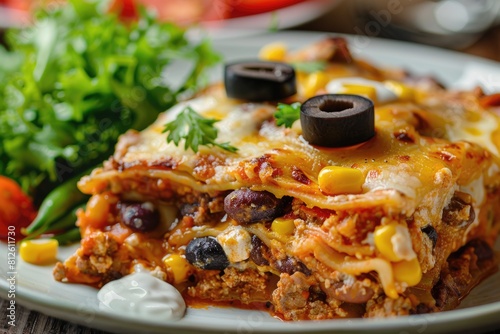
67,220
68,237
63,223
57,203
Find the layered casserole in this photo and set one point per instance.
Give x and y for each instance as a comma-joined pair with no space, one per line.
402,223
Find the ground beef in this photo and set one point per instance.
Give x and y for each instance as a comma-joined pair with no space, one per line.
464,269
292,292
292,299
247,286
384,307
201,207
59,272
100,259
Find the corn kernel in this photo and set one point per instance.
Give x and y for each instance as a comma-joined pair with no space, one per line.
369,92
43,251
403,92
97,210
408,272
283,226
314,82
273,52
179,266
382,238
334,180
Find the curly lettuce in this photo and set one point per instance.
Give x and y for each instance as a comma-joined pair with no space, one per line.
79,77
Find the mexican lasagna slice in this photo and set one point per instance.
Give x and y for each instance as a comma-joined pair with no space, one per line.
401,223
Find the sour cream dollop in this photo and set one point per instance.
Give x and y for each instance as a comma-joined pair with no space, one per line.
144,296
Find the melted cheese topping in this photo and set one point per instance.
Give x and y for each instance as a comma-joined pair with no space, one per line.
399,164
383,94
479,130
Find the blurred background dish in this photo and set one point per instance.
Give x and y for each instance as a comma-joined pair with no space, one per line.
470,26
446,23
220,18
250,18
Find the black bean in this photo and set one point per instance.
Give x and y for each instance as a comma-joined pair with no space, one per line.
206,253
140,217
291,265
431,233
456,213
257,252
247,206
316,294
355,293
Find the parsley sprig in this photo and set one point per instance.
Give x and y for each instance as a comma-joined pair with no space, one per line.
287,114
195,130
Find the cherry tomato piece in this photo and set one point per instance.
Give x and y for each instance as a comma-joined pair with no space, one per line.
16,208
126,10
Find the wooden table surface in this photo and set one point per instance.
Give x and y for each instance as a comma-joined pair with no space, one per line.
30,322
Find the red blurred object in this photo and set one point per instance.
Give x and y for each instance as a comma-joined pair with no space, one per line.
183,12
126,9
23,5
16,208
190,11
252,7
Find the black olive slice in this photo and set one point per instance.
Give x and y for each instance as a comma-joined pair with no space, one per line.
337,120
259,81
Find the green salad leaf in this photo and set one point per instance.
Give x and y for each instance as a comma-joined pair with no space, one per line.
76,79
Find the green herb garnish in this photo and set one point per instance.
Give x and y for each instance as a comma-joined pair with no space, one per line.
287,114
195,130
309,66
79,77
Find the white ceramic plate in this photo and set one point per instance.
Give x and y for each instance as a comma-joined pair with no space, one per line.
36,289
